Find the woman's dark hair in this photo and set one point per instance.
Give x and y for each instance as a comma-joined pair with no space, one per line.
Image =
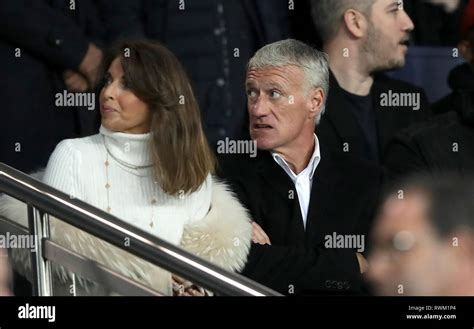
180,152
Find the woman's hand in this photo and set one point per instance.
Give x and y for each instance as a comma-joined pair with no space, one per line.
182,287
259,235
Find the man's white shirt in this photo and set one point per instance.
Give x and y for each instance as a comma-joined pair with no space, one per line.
303,181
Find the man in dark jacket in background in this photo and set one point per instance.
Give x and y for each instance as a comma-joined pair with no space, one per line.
47,50
436,21
46,47
446,143
461,78
364,108
213,39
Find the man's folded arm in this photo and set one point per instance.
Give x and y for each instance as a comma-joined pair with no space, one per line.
292,270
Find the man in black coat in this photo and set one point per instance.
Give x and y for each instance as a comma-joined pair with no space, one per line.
461,78
445,143
46,47
436,21
213,39
364,108
311,211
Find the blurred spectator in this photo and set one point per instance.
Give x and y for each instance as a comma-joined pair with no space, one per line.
424,239
214,40
45,47
446,142
461,78
365,108
436,21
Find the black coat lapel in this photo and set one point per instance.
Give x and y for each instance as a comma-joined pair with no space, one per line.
281,186
273,175
323,197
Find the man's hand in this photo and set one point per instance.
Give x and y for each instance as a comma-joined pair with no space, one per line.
259,235
75,81
363,264
90,64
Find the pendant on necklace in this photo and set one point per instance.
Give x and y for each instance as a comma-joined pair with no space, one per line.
153,202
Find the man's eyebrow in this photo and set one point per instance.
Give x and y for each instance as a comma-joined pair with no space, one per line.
394,5
249,84
275,85
270,85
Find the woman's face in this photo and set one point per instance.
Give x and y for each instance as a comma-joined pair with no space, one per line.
120,109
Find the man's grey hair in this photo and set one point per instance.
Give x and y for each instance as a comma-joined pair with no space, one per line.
313,62
328,14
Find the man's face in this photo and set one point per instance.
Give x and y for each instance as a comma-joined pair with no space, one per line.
279,106
407,258
388,31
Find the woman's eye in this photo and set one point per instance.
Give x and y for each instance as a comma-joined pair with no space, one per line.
106,80
125,83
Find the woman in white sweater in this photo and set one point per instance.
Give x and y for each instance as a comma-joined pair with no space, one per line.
150,165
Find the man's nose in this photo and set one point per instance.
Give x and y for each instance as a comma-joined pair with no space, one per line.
407,23
258,107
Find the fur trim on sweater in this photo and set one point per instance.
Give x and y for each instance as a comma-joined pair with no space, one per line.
223,238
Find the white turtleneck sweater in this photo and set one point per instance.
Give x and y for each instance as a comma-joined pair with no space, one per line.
77,167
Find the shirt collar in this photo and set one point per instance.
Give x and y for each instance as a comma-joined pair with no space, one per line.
312,164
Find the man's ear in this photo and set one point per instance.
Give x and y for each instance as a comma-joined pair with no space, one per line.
316,99
355,23
466,50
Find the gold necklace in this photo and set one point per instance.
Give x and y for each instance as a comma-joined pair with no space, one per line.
107,188
123,163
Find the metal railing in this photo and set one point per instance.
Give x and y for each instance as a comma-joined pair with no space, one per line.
43,200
